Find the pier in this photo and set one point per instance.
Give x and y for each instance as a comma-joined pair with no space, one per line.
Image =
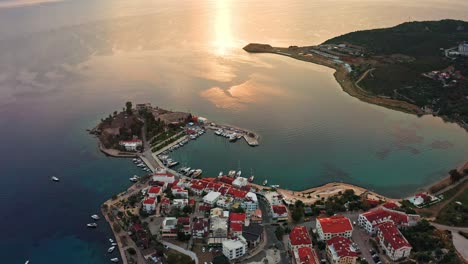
250,137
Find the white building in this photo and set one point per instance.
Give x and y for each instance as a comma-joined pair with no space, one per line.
370,219
463,49
211,198
131,145
154,191
234,249
274,198
392,241
224,202
338,225
180,203
218,227
163,176
240,182
169,227
250,203
149,204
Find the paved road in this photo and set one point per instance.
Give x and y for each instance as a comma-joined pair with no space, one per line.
450,228
460,243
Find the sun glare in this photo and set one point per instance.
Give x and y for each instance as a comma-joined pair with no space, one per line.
223,41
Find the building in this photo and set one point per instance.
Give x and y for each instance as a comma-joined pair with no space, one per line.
257,217
237,218
179,192
280,213
200,228
299,237
211,198
369,220
218,227
184,222
163,176
306,255
274,198
240,182
463,49
131,145
225,202
333,226
234,249
341,251
154,191
180,203
169,227
392,241
250,203
253,234
149,204
235,229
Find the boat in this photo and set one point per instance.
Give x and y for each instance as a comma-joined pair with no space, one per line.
55,179
111,249
238,174
197,173
251,178
172,163
114,244
232,173
27,262
265,182
92,225
111,240
141,165
115,260
182,169
220,174
218,132
134,178
275,186
192,137
233,138
95,217
190,172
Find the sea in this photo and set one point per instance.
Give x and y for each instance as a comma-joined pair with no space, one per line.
64,65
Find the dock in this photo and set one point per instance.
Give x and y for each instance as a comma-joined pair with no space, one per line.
250,137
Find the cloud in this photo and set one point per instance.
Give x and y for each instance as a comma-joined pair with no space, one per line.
21,3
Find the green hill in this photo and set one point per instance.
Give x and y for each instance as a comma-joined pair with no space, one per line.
411,38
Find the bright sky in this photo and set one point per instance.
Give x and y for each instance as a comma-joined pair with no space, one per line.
20,3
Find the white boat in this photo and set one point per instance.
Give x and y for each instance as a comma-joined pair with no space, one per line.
232,173
114,244
190,172
111,249
55,179
265,182
95,217
220,173
92,225
218,132
193,137
251,178
233,138
134,178
275,186
115,260
111,240
238,173
172,163
197,173
141,165
27,262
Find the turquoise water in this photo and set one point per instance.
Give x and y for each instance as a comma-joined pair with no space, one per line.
66,64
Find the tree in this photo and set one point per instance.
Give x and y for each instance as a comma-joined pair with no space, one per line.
321,245
131,251
128,106
455,175
116,227
279,232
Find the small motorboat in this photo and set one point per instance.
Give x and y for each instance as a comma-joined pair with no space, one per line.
251,178
111,249
115,260
114,244
92,225
265,182
95,217
111,240
55,179
27,262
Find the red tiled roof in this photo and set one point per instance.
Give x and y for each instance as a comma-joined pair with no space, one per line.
165,201
236,227
342,246
150,200
390,205
307,256
208,179
335,224
377,216
246,188
279,209
226,179
154,189
392,235
299,236
237,217
183,220
191,202
200,224
237,193
223,190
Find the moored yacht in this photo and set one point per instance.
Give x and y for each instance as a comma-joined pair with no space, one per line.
111,249
95,217
115,260
197,173
251,178
265,182
55,179
92,225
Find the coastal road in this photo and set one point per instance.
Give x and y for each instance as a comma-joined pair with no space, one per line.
460,242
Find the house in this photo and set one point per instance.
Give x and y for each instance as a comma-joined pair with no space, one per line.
333,226
237,218
253,234
234,249
250,203
131,145
370,219
149,204
392,241
225,202
306,255
179,192
299,237
197,189
184,222
340,251
235,229
240,182
163,176
218,226
257,217
200,228
169,227
180,203
280,213
211,198
165,203
154,191
217,212
274,198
